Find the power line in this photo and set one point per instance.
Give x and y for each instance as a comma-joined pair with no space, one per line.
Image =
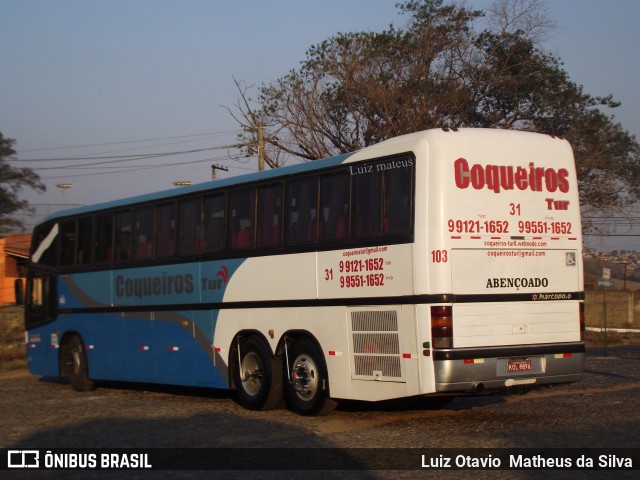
210,134
132,169
121,158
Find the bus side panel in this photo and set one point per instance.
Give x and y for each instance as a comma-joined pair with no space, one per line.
369,350
380,271
156,347
42,351
425,352
279,277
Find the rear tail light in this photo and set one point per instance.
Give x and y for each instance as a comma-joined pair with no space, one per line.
582,324
442,327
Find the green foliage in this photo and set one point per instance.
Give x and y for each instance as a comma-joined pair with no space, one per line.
12,181
450,66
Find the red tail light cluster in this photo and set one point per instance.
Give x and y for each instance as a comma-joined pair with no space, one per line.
442,327
582,324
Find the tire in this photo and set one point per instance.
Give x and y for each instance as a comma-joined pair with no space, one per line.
73,363
307,390
258,377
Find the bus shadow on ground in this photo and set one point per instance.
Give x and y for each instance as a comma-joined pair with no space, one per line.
457,403
207,445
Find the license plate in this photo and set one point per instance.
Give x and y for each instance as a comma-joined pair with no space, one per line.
519,365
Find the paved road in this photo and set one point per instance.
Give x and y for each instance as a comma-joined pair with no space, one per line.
602,411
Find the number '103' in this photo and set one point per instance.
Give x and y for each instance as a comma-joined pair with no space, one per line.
439,256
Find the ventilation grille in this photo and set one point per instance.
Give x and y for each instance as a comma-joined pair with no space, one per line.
374,321
376,345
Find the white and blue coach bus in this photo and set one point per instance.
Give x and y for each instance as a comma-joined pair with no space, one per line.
437,263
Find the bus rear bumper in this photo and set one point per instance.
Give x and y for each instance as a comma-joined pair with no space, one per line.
480,370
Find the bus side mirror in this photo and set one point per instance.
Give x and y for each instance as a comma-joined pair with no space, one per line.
19,291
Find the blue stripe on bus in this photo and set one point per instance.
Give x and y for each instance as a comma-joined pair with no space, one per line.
187,283
164,347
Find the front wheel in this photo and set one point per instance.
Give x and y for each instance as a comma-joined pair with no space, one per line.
74,365
307,390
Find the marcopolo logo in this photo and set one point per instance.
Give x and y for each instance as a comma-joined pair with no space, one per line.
508,177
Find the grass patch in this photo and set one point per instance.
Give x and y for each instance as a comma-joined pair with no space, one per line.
12,349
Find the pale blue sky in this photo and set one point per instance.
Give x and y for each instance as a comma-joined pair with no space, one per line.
86,72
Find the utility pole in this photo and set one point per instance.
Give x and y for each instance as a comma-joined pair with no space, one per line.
260,147
217,167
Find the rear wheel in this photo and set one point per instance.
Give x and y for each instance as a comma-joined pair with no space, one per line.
307,390
74,365
258,377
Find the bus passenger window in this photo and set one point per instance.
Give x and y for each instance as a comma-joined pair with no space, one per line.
166,243
214,209
143,238
42,300
242,209
68,244
85,234
269,215
50,254
189,211
104,238
369,203
397,200
302,218
123,232
334,206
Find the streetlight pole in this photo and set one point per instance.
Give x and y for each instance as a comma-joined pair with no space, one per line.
63,188
181,183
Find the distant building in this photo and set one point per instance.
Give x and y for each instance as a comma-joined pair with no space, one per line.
14,253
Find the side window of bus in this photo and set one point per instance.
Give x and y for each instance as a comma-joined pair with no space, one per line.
269,215
334,206
189,214
123,232
214,220
166,238
85,240
68,239
42,299
302,211
49,255
398,190
368,203
143,238
242,209
104,238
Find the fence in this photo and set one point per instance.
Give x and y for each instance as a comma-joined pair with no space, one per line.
622,309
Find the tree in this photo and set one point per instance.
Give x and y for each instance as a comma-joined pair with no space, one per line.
450,66
12,181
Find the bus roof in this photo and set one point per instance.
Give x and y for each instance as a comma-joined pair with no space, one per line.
200,187
402,143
